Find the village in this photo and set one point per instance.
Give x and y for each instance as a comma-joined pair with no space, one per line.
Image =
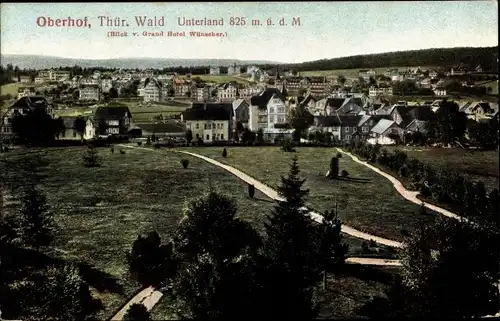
380,106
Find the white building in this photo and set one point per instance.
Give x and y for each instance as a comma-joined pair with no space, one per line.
25,92
227,93
201,94
89,93
214,70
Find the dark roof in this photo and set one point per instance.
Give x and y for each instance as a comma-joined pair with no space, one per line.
116,112
335,103
228,107
163,128
31,102
263,98
69,121
350,120
358,101
208,112
327,121
422,113
485,106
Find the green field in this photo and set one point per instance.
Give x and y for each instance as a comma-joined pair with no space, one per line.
478,165
100,211
493,84
350,73
370,202
12,89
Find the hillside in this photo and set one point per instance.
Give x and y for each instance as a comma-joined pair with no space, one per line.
43,62
444,57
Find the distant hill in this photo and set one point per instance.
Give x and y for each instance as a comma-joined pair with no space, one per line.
43,62
487,57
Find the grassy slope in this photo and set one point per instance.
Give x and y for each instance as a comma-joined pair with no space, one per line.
101,211
221,78
371,203
477,165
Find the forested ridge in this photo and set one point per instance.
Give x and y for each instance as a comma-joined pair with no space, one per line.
487,57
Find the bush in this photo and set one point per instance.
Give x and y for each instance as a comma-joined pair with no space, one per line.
122,152
339,155
137,312
91,157
344,173
157,145
139,144
334,167
224,153
251,190
185,163
287,146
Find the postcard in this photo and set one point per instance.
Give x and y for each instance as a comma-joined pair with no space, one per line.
249,160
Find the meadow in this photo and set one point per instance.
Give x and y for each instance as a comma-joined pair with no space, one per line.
366,200
101,211
477,165
350,73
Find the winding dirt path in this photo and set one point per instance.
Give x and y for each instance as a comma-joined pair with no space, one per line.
409,195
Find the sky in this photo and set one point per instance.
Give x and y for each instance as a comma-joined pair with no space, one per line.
326,30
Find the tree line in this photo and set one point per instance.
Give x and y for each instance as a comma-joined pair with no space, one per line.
441,185
443,57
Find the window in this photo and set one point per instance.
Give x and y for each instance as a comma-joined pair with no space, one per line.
208,137
281,110
347,129
197,135
205,126
271,119
222,136
271,110
365,129
197,127
281,119
348,137
74,133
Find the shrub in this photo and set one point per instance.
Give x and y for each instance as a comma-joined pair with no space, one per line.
344,173
339,155
334,167
200,141
91,157
224,153
137,312
185,163
148,141
287,145
139,144
251,190
157,146
112,150
122,152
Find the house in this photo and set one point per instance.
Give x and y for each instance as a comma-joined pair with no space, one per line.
382,90
327,124
116,120
412,119
201,93
25,92
266,111
23,106
172,129
249,92
433,74
349,126
154,91
317,85
478,68
383,131
24,79
227,93
309,102
182,87
483,110
332,104
71,133
366,74
106,84
367,122
440,91
231,70
214,70
209,121
241,110
89,93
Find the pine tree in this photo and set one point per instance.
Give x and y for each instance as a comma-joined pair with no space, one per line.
91,157
37,223
291,251
333,251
